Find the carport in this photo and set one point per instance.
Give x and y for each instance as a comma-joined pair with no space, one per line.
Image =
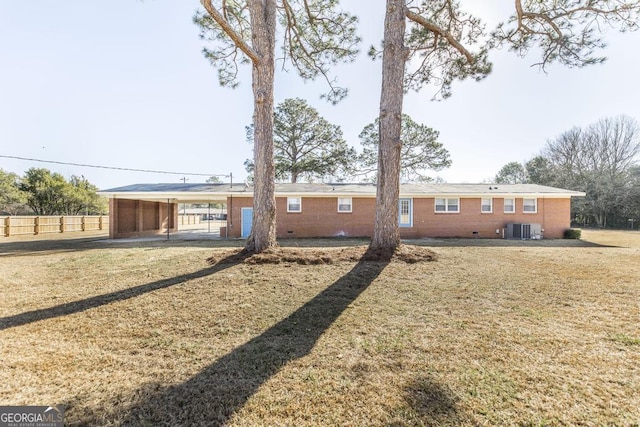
152,209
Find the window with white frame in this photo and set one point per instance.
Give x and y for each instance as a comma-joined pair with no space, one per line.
447,205
529,205
405,214
509,205
294,204
345,204
486,205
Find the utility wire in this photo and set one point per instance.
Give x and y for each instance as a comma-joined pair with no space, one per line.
111,167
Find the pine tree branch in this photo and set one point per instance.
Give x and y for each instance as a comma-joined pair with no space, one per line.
228,29
535,16
420,20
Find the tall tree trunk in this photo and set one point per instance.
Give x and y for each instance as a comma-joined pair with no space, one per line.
263,24
385,232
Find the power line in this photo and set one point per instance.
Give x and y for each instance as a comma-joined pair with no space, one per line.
111,167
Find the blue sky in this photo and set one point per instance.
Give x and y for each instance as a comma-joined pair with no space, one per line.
124,83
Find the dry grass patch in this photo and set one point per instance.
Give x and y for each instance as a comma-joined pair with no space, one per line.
487,335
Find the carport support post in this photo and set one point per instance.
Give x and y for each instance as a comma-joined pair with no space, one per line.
168,219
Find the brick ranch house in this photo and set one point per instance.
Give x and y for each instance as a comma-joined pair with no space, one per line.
327,210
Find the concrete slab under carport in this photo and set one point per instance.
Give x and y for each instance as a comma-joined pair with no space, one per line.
190,234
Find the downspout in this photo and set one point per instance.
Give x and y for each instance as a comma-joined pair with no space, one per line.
544,209
230,207
230,215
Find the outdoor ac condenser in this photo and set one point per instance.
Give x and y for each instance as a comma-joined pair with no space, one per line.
523,231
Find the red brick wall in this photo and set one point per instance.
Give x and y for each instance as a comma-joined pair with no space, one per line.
320,218
150,217
557,216
234,205
138,217
552,214
125,216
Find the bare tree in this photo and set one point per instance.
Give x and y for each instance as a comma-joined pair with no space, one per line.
314,36
599,160
436,43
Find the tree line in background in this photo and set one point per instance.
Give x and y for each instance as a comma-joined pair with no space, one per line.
40,192
600,160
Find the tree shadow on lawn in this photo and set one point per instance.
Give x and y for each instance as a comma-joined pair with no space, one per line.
104,299
75,244
217,392
430,403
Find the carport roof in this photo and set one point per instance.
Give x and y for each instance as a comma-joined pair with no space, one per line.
192,192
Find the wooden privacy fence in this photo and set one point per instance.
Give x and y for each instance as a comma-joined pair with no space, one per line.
22,225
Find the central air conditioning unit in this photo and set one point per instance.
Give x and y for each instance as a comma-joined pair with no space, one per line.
523,231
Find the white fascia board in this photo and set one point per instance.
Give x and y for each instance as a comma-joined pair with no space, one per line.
493,195
438,195
428,195
324,195
204,196
158,196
